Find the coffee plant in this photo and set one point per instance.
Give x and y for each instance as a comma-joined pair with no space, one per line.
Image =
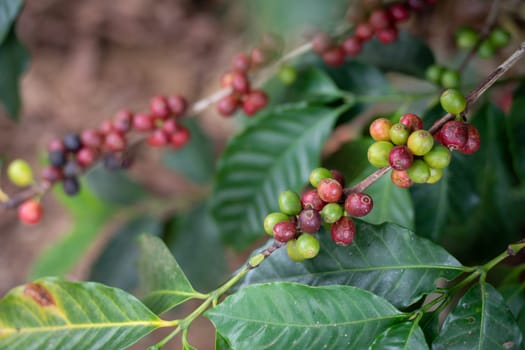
406,235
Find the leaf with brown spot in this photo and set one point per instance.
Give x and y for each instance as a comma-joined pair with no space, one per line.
39,294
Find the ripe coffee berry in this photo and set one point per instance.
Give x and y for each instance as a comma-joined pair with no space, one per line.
56,145
330,190
473,142
311,199
453,101
352,46
91,138
309,220
72,169
177,105
72,142
343,231
159,108
158,138
399,12
387,35
284,231
143,122
52,174
240,82
438,157
308,246
180,137
358,204
20,173
363,31
115,142
400,158
332,212
411,121
86,156
419,171
380,129
401,179
71,186
122,121
289,203
227,105
379,19
334,56
57,158
241,62
399,134
420,142
170,126
321,43
378,153
319,174
454,134
254,101
293,253
271,219
337,175
30,211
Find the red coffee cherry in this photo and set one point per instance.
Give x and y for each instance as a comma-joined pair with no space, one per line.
180,137
311,199
334,56
115,142
309,220
52,174
158,138
387,35
379,19
416,5
321,43
363,31
30,211
330,190
177,105
358,204
159,108
241,62
411,121
380,129
91,138
400,158
254,101
122,121
454,134
473,141
143,122
106,127
352,46
86,156
337,175
401,179
343,231
259,57
399,12
284,231
170,126
240,82
227,105
56,145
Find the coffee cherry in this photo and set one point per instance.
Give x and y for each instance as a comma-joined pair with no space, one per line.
438,157
450,79
334,56
311,199
379,19
180,137
259,57
289,202
106,127
159,108
363,31
343,231
72,142
240,82
56,145
486,49
116,161
309,220
420,142
308,246
330,190
20,173
418,171
378,153
399,134
71,186
241,62
254,101
400,158
143,122
57,158
321,43
115,142
416,5
435,175
271,219
466,38
399,12
227,105
332,212
30,211
453,101
86,156
170,126
91,138
387,35
319,174
380,129
358,204
158,138
122,121
434,73
293,253
52,174
177,105
400,178
284,231
72,168
454,134
411,121
337,175
352,46
287,74
473,143
499,37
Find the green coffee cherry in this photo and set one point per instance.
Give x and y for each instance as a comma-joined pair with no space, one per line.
434,73
453,101
20,173
332,212
486,49
419,171
499,37
435,175
319,174
466,38
450,79
293,252
438,157
420,142
308,246
287,74
399,134
378,153
290,203
271,219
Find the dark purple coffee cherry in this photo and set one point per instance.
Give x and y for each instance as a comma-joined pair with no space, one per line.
72,169
343,231
284,231
71,186
72,142
311,199
309,220
358,204
57,158
400,158
454,134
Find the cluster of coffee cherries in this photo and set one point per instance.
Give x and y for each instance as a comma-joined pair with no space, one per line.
467,38
381,23
412,152
301,217
242,95
443,76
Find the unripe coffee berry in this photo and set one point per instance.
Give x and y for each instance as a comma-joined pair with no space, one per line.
30,211
400,178
271,219
380,129
454,134
311,199
473,142
420,142
435,175
358,204
411,121
378,153
284,231
499,37
293,253
438,157
400,158
343,231
332,212
418,171
399,134
330,190
453,101
289,203
450,79
309,220
486,49
287,74
434,73
466,38
20,173
308,246
319,174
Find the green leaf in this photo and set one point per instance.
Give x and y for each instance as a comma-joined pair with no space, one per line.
514,297
221,343
404,336
387,260
116,264
480,320
194,160
516,131
9,9
161,279
14,59
56,314
274,154
293,316
358,78
89,215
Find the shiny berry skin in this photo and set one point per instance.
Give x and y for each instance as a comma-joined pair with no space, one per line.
434,73
466,38
254,101
337,175
387,35
115,142
57,158
343,231
380,129
227,105
143,122
159,108
334,56
358,204
411,121
420,142
293,253
378,153
86,156
177,105
400,158
379,19
450,79
106,127
30,211
287,74
319,174
330,190
453,101
91,138
240,82
454,134
271,219
289,203
473,143
71,186
352,46
170,126
122,121
486,49
438,157
435,175
309,220
311,199
398,12
332,212
399,134
308,246
499,37
52,174
241,62
400,178
180,137
321,43
363,31
158,138
72,142
20,173
419,171
284,231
